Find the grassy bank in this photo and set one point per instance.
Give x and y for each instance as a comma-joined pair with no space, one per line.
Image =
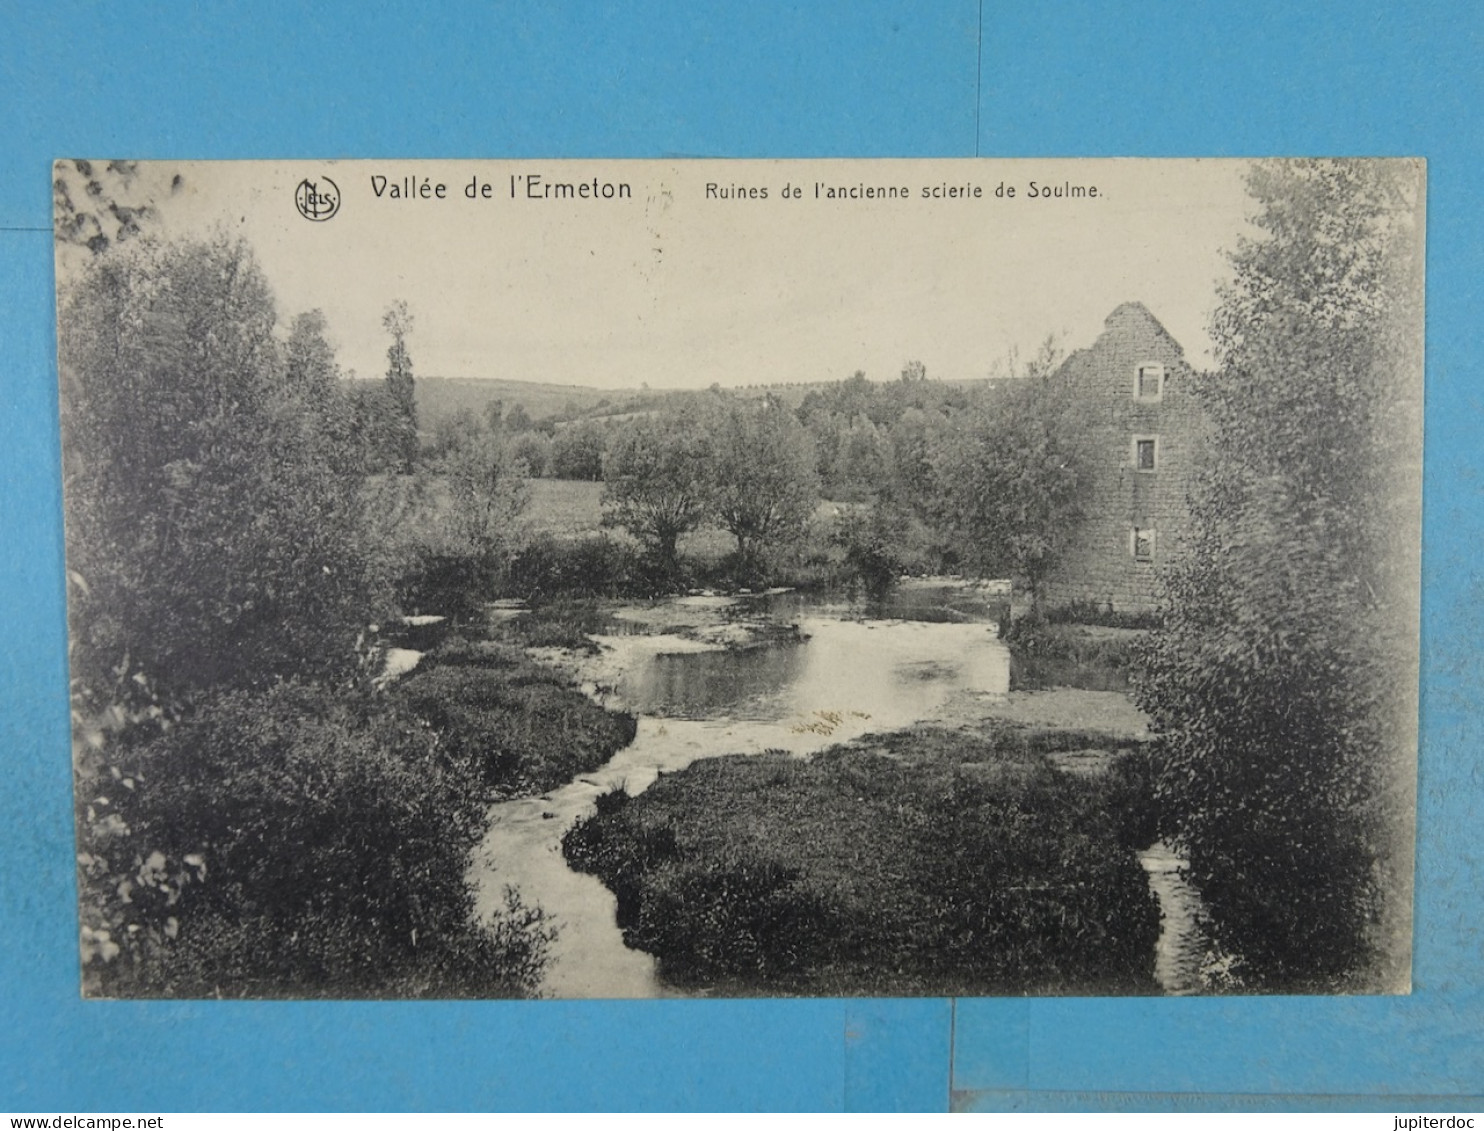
921,862
1089,657
308,842
523,726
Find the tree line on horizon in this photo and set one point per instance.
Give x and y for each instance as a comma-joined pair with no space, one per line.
925,475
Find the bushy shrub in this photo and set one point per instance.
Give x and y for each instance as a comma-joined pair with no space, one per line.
456,650
947,863
592,566
1283,679
1028,634
533,450
444,581
1090,612
577,451
746,916
875,544
521,728
1044,653
1132,797
290,843
1277,781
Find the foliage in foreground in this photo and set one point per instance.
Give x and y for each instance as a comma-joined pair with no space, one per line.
253,820
1283,679
214,527
290,843
931,863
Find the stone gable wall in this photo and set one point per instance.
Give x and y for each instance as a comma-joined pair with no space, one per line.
1099,567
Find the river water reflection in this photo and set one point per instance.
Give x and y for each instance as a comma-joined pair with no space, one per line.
708,676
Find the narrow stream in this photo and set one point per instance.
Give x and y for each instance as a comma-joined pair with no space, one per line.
1181,947
708,676
849,670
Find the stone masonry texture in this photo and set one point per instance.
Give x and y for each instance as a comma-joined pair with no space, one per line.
1099,568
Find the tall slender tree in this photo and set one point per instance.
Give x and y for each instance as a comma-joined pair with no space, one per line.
400,384
1283,683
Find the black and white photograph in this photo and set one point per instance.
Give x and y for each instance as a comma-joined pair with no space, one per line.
742,578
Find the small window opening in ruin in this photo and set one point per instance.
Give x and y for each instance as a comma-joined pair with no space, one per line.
1143,543
1149,384
1146,453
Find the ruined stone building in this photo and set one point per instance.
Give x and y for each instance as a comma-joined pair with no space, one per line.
1144,430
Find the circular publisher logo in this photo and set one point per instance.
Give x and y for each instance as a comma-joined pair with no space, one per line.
317,199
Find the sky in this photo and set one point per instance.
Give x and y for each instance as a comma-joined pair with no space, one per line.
679,286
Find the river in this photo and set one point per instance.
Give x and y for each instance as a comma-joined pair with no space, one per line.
707,676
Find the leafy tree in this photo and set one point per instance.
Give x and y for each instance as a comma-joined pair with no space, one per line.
453,549
764,486
853,397
853,466
400,385
454,432
518,419
251,820
315,385
827,432
1010,483
860,468
1283,682
913,442
876,541
577,451
213,523
534,450
656,483
489,493
376,427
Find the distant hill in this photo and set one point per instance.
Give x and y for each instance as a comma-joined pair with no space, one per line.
439,397
442,396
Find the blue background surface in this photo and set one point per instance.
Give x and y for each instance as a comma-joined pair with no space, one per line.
747,80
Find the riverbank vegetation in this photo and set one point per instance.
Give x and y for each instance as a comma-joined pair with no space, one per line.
1283,679
921,862
858,483
258,814
1088,657
523,728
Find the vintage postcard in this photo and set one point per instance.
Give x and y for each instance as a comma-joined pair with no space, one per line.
611,579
